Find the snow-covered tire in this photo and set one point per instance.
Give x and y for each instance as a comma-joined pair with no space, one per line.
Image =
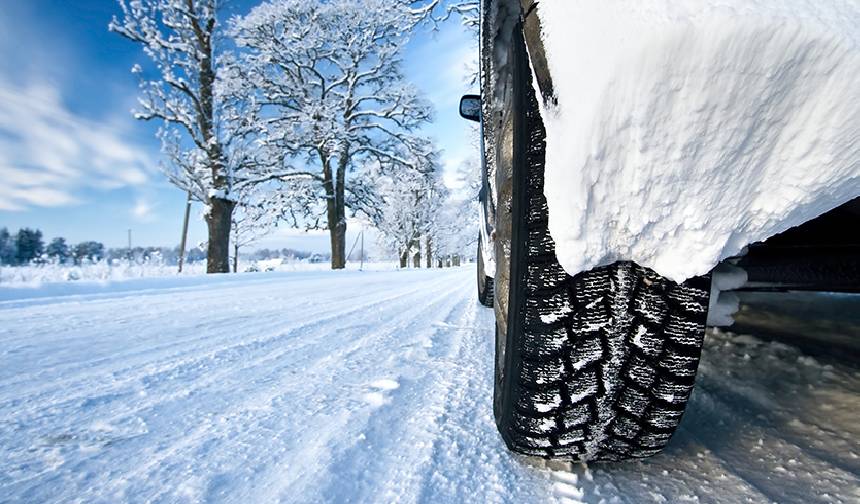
596,366
485,283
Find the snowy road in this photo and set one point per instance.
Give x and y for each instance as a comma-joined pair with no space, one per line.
365,387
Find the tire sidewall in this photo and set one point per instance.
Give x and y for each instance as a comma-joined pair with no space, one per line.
507,333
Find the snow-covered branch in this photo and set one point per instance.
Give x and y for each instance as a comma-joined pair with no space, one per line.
205,134
333,105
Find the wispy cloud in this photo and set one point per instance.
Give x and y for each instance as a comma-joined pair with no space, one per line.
143,210
48,154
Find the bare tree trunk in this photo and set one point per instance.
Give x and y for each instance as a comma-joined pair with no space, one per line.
220,213
218,221
235,257
339,254
335,212
416,260
429,246
404,258
336,206
338,245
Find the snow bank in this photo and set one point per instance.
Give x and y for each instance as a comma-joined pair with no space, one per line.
34,275
53,279
685,130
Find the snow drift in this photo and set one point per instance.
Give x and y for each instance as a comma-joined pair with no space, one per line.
685,130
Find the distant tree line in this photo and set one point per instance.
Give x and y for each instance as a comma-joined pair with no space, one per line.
287,253
27,247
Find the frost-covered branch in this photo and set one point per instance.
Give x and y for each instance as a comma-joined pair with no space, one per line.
439,11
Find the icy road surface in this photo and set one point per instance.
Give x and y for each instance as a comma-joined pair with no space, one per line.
364,387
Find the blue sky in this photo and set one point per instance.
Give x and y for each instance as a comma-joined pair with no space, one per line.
73,161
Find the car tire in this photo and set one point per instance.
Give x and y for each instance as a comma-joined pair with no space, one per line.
595,366
485,283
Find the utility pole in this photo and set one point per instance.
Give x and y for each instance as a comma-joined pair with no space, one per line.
182,242
352,249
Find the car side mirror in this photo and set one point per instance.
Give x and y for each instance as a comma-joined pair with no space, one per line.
470,107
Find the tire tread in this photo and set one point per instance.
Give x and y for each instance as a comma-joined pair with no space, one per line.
606,358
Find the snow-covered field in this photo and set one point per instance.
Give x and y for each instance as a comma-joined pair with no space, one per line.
364,387
37,275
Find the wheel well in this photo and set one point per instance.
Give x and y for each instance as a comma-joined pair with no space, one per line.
820,255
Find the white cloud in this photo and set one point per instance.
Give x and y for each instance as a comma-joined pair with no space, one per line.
143,210
48,153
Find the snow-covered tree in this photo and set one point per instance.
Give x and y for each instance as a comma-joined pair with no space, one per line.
7,247
200,130
253,219
456,229
410,203
91,250
58,249
332,97
28,245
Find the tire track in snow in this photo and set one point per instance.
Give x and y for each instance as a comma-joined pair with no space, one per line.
401,297
87,389
208,334
400,432
171,458
763,458
816,436
468,458
219,358
171,308
395,359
